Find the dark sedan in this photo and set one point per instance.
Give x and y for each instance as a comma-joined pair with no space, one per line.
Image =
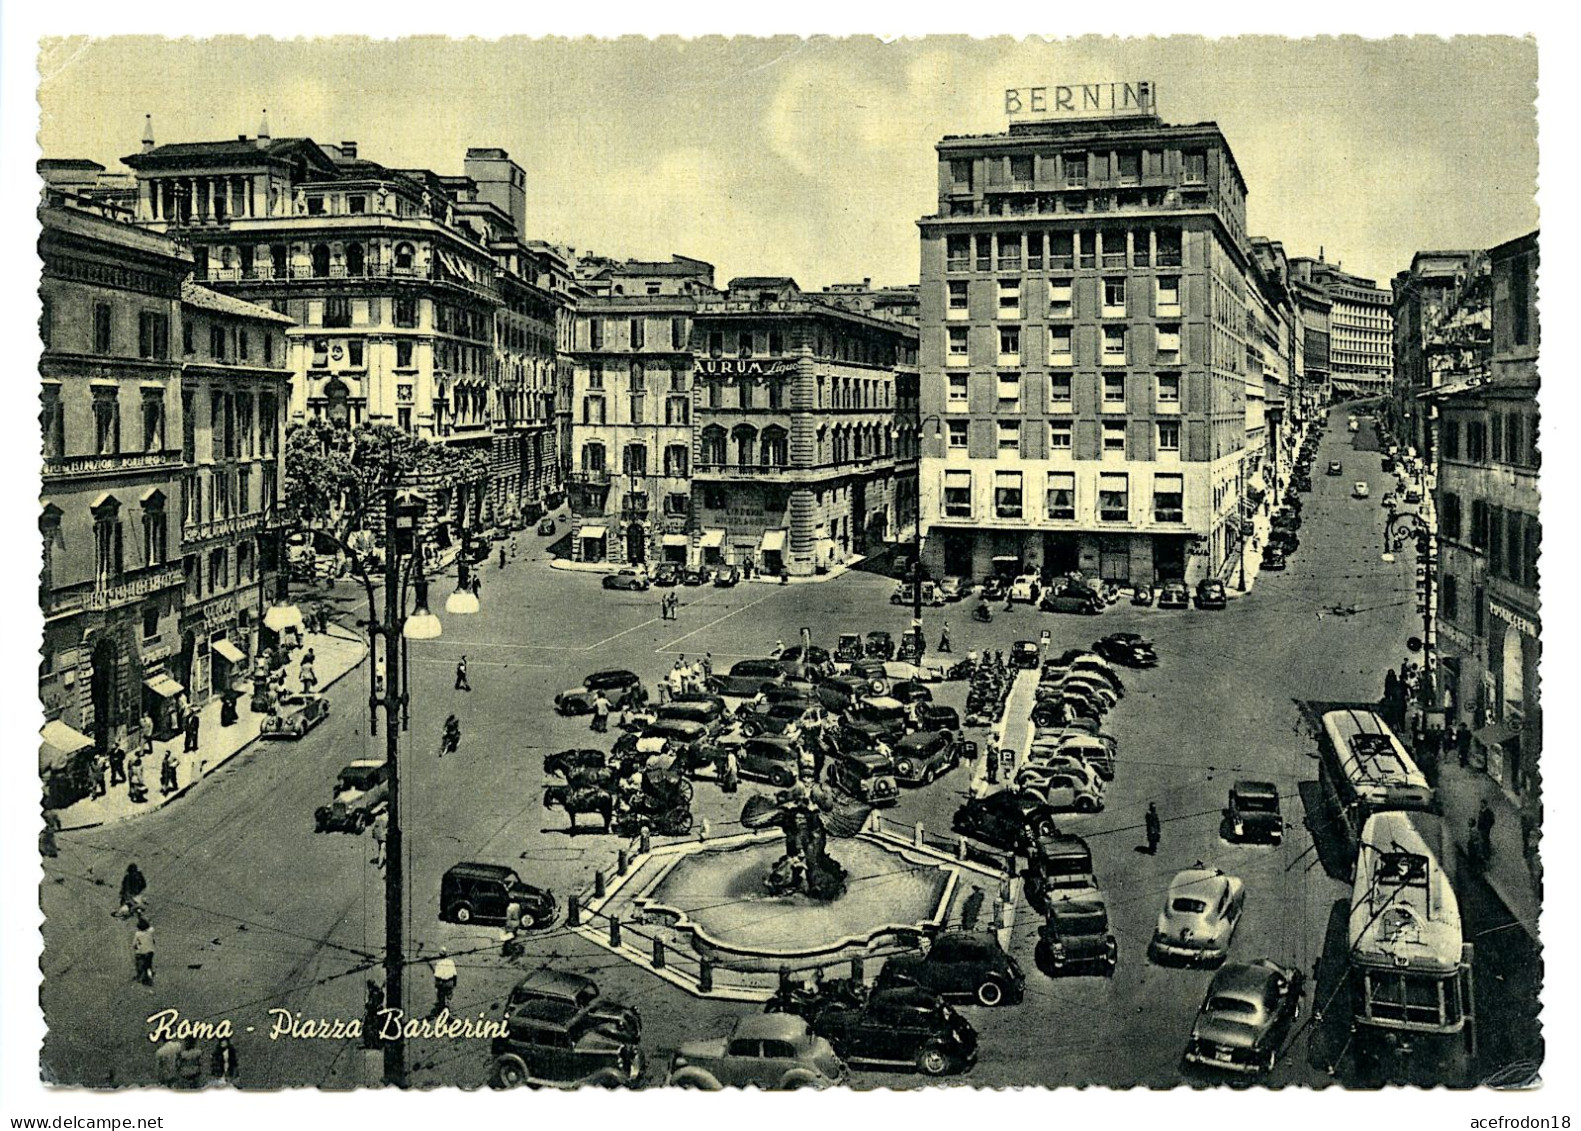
1006,820
727,577
747,678
1248,1013
1073,597
1126,648
1211,594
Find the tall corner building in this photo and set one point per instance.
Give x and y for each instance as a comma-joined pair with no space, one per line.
1083,352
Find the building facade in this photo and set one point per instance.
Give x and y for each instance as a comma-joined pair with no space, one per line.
1422,294
1490,534
1361,328
1312,309
1083,352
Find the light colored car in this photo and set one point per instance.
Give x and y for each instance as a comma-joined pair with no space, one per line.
1063,784
1201,911
294,715
955,588
773,1051
362,789
1021,588
1361,490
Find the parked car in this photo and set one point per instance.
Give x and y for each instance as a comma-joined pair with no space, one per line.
849,648
667,574
1071,785
880,645
946,720
818,663
866,775
1023,588
771,759
558,985
1006,820
1211,594
900,1026
695,575
560,1043
1026,655
968,965
294,714
925,755
790,720
706,710
1174,596
1413,495
873,673
480,893
905,594
727,577
627,579
1253,813
1075,937
362,789
1069,596
955,588
994,588
679,741
1274,556
620,687
1335,467
1201,912
1361,490
773,1051
1246,1017
546,526
1096,750
1059,866
839,693
747,678
910,691
879,718
1142,596
1128,648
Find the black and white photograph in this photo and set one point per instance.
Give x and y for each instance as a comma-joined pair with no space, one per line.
785,562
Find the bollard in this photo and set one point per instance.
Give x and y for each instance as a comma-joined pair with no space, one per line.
573,912
614,932
658,954
621,863
646,841
857,970
916,836
702,831
999,914
960,848
598,884
705,975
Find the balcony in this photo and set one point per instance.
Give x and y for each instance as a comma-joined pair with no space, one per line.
589,477
68,467
196,532
128,590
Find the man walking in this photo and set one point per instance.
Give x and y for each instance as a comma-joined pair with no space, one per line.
167,773
461,675
502,557
944,638
600,712
1485,829
190,746
117,764
381,830
444,982
1154,827
1463,743
143,953
100,769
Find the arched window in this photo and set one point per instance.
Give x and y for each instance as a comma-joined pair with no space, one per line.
776,447
320,261
713,446
355,263
746,438
339,410
405,257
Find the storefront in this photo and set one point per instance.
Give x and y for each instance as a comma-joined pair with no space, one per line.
772,549
675,547
162,702
594,543
712,547
64,762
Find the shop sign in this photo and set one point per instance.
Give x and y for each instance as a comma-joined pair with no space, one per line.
743,367
1082,100
1516,620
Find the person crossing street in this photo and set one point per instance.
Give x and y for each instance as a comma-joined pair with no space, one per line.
1155,828
462,684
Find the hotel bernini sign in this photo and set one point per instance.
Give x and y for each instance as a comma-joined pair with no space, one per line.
1082,100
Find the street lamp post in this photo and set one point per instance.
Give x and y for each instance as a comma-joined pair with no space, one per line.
916,525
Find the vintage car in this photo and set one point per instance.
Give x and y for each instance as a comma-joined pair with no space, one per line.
1273,556
866,775
1142,596
879,718
1335,467
994,588
1253,814
789,720
1026,655
1023,589
818,662
747,678
1211,594
969,965
1361,490
1069,596
1059,866
1062,784
1201,911
628,579
361,791
909,690
839,693
293,715
1174,596
873,672
772,1051
1075,937
546,526
667,574
1096,750
896,1027
481,893
620,687
1007,820
925,755
955,588
695,575
906,594
682,742
771,759
557,985
708,710
1246,1017
933,717
879,646
1127,648
728,577
848,649
558,1043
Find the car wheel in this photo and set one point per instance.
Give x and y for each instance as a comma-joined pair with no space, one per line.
751,728
1086,805
932,1061
903,767
510,1071
1044,827
781,777
462,913
990,993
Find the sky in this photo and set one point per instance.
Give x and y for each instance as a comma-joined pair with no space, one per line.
814,157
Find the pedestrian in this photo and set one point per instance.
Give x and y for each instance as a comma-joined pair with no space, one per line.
143,953
1485,829
309,656
513,547
308,676
972,908
133,885
509,946
136,787
944,638
146,728
117,764
600,712
664,692
502,557
730,776
1154,828
46,836
191,744
100,769
1476,855
381,830
1463,743
477,584
372,1005
223,1066
167,1063
461,675
189,1064
708,665
167,774
444,981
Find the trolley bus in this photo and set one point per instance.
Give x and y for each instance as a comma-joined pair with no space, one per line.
1365,769
1410,970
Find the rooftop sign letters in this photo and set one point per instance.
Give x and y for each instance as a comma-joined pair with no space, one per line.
1082,100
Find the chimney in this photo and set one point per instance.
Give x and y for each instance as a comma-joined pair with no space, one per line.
148,132
263,130
867,284
348,150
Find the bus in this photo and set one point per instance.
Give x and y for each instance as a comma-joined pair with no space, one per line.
1365,770
1409,967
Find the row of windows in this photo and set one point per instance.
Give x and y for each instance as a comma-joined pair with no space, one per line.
595,410
1113,502
1503,437
1113,436
637,334
1018,298
1060,351
1063,250
1078,168
1060,389
1510,539
634,459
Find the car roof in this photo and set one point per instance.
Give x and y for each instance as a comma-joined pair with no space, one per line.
550,1013
886,703
865,757
490,871
770,1027
1196,881
922,738
1247,980
1252,788
610,673
556,983
364,764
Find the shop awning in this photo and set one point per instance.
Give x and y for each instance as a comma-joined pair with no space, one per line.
225,648
713,539
163,686
58,743
676,540
281,617
1496,735
594,532
773,540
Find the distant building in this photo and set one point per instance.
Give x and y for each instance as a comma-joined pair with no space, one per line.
1361,330
1422,293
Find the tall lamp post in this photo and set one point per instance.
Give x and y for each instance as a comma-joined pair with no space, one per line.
916,525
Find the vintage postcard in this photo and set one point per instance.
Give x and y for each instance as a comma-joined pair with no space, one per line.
788,562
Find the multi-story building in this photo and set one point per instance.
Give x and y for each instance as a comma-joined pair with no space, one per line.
1270,353
235,385
1083,353
109,520
630,474
1490,533
1422,295
416,299
1361,329
796,406
1312,308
